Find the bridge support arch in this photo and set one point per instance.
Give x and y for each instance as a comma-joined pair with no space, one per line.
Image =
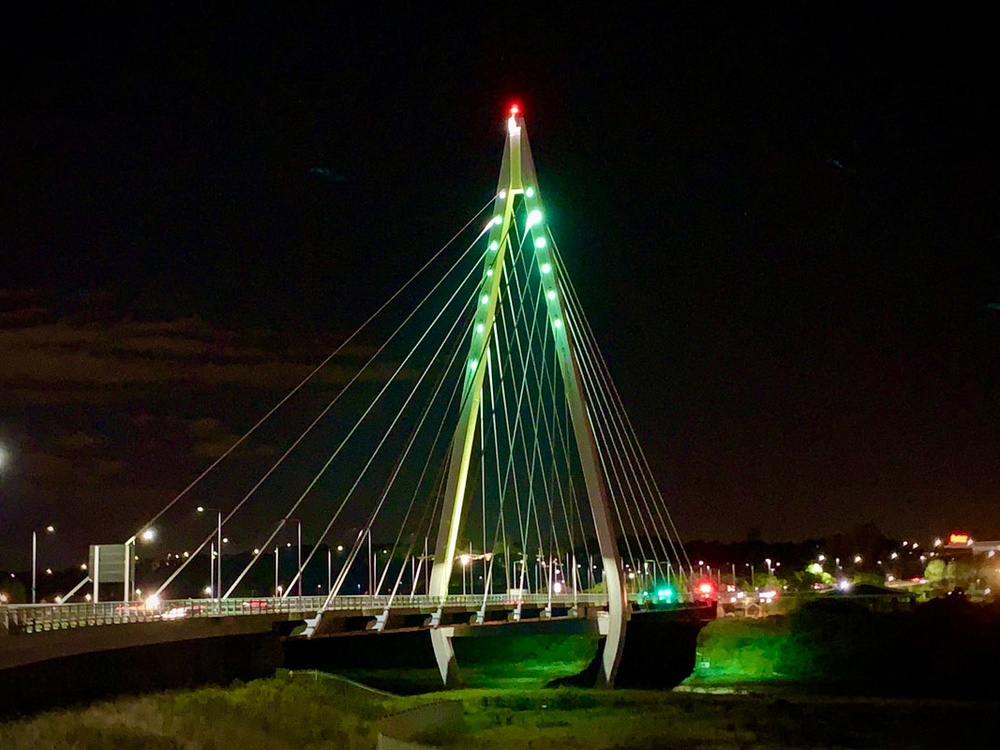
518,183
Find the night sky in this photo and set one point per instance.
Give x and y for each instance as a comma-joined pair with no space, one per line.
782,223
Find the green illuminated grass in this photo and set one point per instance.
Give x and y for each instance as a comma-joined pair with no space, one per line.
309,712
741,650
515,662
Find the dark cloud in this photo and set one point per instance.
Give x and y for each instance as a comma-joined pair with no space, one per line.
105,420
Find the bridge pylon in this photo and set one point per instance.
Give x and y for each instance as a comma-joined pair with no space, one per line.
518,187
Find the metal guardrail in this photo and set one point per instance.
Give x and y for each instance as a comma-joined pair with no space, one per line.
19,619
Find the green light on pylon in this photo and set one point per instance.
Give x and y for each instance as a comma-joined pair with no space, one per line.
534,217
546,267
530,192
484,299
494,245
540,243
473,363
551,294
480,327
557,323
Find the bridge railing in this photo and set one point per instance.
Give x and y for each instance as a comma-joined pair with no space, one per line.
38,618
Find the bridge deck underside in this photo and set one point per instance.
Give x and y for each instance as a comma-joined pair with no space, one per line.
27,640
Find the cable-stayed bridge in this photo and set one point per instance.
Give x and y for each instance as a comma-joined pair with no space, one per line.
471,426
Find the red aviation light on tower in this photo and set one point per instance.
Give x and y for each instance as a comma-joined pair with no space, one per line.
515,110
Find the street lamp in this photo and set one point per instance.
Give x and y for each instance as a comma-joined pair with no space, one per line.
299,544
218,548
464,559
34,560
148,535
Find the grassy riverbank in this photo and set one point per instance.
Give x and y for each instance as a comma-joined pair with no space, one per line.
304,711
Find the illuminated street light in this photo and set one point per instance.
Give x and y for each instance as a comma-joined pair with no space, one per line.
215,567
464,558
298,535
34,560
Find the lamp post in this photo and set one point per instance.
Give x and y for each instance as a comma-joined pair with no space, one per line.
147,534
298,553
34,561
217,571
464,559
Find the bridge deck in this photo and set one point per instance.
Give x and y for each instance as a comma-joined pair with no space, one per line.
26,619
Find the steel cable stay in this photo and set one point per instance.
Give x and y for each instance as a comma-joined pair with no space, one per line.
611,493
609,430
610,469
662,511
538,416
613,453
548,420
337,350
295,505
611,456
328,407
531,371
507,371
616,441
431,508
410,441
528,510
413,435
531,507
335,589
639,461
564,440
513,476
501,520
531,366
462,312
504,482
555,464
